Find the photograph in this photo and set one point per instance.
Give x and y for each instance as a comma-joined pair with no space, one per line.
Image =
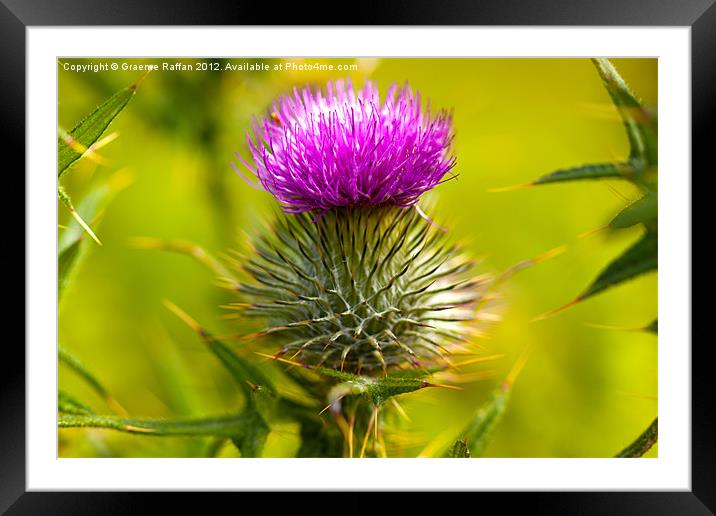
357,257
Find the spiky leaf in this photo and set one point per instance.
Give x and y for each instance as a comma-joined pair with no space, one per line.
246,375
640,125
318,439
377,390
251,441
66,261
642,211
74,363
639,259
589,172
71,146
479,430
459,450
70,405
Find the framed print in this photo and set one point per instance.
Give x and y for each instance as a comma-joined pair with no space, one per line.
420,258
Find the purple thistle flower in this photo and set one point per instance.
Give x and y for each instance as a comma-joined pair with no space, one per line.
348,148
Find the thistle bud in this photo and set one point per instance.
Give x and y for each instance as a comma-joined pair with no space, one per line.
351,278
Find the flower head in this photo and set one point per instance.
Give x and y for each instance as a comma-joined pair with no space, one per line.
364,291
320,151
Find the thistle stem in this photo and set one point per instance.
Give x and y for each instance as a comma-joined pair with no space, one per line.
643,443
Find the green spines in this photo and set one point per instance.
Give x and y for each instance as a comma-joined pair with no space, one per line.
362,290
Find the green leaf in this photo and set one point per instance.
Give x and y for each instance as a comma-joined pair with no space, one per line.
246,375
589,172
232,427
251,441
193,251
459,450
71,248
377,390
71,146
62,195
478,431
643,443
639,259
641,128
66,261
213,447
642,211
240,369
79,368
317,438
69,405
640,125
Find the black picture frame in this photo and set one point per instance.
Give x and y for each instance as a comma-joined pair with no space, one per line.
17,15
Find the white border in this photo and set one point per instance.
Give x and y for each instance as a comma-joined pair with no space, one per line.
670,471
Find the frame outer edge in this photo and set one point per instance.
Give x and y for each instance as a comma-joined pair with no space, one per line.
12,363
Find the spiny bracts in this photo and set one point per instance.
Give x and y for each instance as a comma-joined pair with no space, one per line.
363,290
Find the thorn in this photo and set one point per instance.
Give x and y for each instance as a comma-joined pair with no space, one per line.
592,232
511,188
600,111
529,262
367,434
615,328
650,397
486,317
84,225
463,378
351,428
131,428
400,409
433,446
549,254
236,306
184,317
516,370
620,195
375,431
443,386
478,360
91,151
71,142
429,220
104,141
557,310
115,407
279,359
134,85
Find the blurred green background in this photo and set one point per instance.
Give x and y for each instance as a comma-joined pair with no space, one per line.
584,392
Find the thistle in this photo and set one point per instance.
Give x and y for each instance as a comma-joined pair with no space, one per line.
362,295
352,279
